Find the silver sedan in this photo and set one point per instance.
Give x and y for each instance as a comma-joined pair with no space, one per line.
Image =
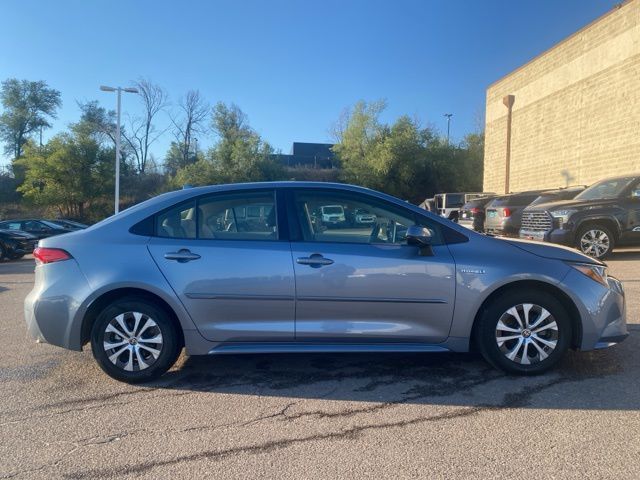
250,268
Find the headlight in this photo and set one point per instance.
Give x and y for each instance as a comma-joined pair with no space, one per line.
562,215
594,272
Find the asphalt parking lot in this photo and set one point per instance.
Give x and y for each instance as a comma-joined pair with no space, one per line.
317,416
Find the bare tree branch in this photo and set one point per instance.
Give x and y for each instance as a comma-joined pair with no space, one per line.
189,121
143,131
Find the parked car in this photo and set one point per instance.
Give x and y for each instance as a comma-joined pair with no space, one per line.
605,215
15,244
448,204
503,214
472,214
332,214
363,217
411,282
69,224
39,228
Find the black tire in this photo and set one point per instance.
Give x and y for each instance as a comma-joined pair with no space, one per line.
582,231
496,355
3,252
169,347
16,256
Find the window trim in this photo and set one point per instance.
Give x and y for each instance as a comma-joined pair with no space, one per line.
298,236
282,233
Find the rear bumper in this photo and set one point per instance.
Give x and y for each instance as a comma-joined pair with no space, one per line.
51,308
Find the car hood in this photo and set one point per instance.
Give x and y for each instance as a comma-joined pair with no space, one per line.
556,252
17,233
560,204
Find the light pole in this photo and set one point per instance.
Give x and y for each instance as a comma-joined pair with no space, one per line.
119,90
448,115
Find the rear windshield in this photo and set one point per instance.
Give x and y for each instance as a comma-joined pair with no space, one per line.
454,200
477,203
553,197
514,200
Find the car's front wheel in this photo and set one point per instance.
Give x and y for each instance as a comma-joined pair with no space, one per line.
134,340
524,333
596,241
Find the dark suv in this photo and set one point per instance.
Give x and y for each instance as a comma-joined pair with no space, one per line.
604,215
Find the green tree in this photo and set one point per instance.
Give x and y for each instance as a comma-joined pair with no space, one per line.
239,155
72,172
28,107
404,159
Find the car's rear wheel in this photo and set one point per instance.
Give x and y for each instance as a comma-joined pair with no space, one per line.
595,240
525,333
3,252
135,340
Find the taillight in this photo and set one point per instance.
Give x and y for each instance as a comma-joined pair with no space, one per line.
475,210
50,255
506,212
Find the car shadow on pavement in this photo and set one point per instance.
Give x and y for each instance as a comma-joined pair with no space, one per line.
624,255
605,379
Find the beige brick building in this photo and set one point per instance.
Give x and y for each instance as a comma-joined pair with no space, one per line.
576,110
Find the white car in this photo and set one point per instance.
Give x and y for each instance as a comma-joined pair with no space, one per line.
364,217
332,214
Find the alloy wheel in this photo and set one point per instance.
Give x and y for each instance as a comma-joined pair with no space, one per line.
595,242
526,333
132,341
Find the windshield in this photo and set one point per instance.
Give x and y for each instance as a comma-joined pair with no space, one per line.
606,189
51,224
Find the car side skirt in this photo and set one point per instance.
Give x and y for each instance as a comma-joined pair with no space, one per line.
307,347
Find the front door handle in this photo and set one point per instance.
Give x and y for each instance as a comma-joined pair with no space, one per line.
314,261
182,256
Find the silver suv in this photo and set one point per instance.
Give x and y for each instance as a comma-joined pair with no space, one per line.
246,268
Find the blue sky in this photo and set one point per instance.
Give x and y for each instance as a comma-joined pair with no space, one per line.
292,66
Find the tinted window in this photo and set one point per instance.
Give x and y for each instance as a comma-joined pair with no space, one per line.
383,223
178,222
454,200
514,200
11,225
246,216
606,189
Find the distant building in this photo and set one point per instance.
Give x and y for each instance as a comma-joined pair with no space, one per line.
573,112
308,155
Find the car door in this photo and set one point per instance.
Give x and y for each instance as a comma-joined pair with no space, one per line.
224,257
628,215
362,282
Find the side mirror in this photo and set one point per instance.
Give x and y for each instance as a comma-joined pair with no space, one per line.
421,238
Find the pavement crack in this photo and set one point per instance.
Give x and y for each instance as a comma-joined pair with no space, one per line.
513,400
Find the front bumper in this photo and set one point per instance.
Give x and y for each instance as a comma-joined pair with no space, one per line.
602,310
557,235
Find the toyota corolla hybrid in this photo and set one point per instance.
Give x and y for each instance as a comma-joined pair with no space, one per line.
191,269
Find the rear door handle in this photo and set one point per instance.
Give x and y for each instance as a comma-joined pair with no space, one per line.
315,260
182,256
